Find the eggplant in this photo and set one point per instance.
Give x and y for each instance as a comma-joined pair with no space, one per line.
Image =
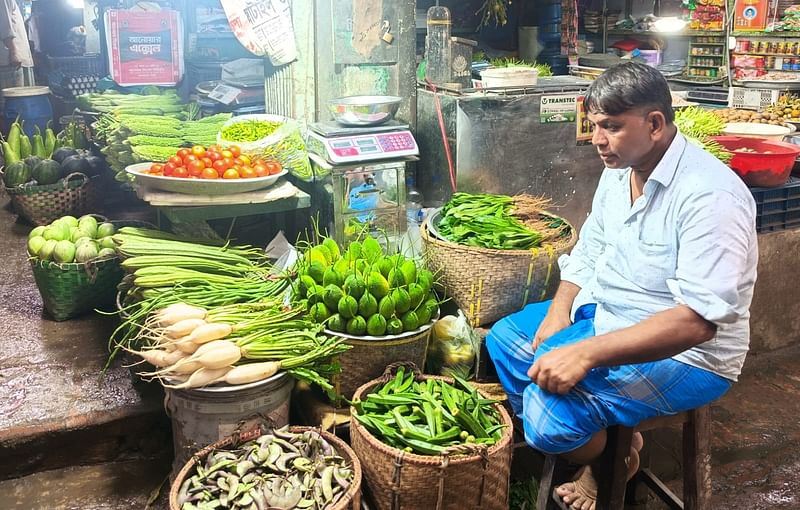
63,153
74,164
96,165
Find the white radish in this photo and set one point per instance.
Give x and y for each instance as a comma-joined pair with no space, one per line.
202,377
183,328
159,358
252,372
211,331
223,356
178,312
186,346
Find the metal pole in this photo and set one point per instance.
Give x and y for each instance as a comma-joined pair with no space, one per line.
605,25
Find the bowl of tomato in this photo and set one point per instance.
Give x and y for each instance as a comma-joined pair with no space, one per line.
207,171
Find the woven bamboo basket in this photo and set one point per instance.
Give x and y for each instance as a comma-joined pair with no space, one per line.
69,290
490,284
473,477
369,356
76,194
350,500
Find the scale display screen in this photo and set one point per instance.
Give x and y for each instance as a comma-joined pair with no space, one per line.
366,147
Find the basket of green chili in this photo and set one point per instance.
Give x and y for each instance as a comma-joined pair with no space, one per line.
431,442
495,253
289,467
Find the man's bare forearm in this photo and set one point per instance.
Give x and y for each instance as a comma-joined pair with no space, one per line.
565,296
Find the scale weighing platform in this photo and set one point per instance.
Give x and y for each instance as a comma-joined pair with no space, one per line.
351,145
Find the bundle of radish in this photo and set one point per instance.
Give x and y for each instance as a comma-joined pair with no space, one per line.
238,344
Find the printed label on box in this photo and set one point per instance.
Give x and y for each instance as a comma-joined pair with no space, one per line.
557,108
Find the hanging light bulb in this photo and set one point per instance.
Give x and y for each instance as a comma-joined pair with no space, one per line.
669,24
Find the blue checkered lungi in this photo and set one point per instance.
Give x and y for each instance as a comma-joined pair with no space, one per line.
618,395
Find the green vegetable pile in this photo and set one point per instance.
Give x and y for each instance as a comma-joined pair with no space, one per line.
69,239
365,291
112,101
494,221
428,417
279,470
543,69
249,130
130,139
697,125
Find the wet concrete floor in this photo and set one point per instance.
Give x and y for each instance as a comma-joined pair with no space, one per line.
72,439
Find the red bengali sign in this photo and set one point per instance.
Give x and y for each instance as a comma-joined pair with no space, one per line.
146,48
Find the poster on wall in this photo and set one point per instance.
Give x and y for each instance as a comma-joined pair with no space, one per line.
264,27
145,48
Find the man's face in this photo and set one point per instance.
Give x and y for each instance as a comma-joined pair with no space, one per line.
622,140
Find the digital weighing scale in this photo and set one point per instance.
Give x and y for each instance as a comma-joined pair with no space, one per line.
359,178
340,144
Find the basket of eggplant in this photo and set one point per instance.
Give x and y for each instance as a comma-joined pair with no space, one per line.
286,468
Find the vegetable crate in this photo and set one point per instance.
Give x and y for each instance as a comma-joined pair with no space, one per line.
778,208
72,76
465,476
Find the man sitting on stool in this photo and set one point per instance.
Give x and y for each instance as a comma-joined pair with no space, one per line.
652,314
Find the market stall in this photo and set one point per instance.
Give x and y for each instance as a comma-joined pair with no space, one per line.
335,366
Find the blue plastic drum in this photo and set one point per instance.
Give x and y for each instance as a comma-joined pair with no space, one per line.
30,104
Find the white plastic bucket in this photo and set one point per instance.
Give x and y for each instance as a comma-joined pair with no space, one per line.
205,415
509,77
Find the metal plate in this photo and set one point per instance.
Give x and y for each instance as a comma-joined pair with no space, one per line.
770,84
200,186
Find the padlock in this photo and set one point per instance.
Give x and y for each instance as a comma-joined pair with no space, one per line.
387,37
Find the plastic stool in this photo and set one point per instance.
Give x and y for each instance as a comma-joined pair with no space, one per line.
612,471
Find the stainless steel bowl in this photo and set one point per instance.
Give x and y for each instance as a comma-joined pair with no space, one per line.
364,110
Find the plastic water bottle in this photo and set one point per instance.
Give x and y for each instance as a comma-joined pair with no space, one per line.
414,207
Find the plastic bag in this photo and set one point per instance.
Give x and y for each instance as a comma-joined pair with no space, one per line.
284,145
454,347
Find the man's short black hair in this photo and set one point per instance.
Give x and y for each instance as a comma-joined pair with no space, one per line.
629,86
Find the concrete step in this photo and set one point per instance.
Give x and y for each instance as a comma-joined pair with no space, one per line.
57,408
107,486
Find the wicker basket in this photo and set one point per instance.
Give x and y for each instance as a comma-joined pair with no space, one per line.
369,357
350,500
490,284
76,194
69,290
396,480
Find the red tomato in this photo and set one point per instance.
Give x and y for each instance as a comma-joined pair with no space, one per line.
273,167
156,167
213,148
220,167
237,161
261,170
168,168
227,154
213,155
189,158
195,167
208,162
235,150
245,159
209,173
228,162
183,153
180,172
248,173
199,151
176,160
230,174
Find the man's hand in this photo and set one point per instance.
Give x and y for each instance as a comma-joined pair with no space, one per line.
553,322
560,370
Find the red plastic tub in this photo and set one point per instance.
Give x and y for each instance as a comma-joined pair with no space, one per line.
768,166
